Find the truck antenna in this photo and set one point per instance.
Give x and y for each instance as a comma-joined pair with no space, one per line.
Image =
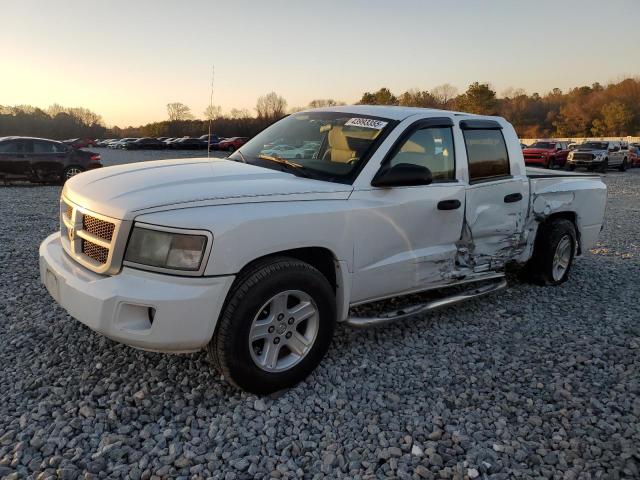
210,112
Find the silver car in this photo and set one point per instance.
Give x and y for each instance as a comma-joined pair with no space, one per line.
599,155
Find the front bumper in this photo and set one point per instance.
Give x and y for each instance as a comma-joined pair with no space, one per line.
535,160
145,310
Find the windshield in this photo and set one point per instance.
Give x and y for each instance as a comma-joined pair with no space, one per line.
543,145
325,145
595,145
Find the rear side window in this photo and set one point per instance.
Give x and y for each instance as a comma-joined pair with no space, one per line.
432,148
487,154
46,147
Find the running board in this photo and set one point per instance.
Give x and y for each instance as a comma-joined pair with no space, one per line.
363,322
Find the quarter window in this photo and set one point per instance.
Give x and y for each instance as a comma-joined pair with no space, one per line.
487,154
9,147
432,148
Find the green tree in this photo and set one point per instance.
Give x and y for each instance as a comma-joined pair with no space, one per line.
479,99
616,117
381,97
418,98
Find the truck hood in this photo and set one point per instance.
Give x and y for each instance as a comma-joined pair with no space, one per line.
590,150
125,191
537,150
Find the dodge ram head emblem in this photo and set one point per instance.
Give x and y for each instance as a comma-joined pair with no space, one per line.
71,233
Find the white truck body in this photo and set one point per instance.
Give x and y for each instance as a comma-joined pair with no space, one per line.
382,242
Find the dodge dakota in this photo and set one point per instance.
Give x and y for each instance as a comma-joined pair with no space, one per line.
256,258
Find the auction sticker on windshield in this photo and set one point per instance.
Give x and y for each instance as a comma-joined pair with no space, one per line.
366,123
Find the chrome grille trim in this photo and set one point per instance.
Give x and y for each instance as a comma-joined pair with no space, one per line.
93,240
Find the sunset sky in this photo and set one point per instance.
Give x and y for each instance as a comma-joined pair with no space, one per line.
127,59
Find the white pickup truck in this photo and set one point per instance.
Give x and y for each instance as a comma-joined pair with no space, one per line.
256,257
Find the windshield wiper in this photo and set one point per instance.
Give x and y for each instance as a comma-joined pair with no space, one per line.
293,167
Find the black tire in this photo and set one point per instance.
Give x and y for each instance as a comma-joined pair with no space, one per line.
604,165
552,163
540,266
229,348
67,173
570,168
623,166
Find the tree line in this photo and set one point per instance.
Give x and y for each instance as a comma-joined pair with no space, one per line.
596,110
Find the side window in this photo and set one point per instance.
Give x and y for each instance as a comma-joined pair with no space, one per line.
43,147
9,147
432,148
487,154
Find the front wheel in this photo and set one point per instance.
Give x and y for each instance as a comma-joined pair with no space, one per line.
623,166
552,163
553,252
276,326
604,165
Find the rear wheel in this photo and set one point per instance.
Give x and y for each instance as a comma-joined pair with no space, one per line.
71,171
276,326
553,252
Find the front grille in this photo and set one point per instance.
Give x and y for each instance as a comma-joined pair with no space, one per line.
100,228
96,252
582,156
90,238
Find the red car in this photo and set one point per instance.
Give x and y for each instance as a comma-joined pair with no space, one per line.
546,153
232,144
634,155
80,142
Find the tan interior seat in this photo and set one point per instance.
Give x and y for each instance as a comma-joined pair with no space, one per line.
339,150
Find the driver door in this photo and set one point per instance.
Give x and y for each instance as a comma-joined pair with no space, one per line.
405,237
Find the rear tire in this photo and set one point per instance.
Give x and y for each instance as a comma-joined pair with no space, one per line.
255,303
553,253
69,172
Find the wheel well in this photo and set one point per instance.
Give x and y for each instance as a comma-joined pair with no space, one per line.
318,257
571,216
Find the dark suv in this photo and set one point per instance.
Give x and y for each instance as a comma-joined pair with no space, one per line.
42,160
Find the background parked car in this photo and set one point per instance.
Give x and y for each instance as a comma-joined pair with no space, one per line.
213,139
634,154
42,160
80,142
145,143
546,153
121,142
232,144
599,155
188,144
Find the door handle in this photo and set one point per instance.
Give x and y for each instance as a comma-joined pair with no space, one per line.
512,197
448,204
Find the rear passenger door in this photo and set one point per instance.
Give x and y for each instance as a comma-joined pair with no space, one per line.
496,197
47,159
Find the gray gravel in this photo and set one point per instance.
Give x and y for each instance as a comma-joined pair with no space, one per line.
532,383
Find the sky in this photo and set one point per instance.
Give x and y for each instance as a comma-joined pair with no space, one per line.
127,59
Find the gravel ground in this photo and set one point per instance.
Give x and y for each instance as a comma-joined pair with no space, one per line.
531,383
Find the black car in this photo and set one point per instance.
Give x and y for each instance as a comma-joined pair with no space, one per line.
188,144
145,143
42,160
213,140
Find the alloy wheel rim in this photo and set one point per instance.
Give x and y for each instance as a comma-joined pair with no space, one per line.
561,258
72,172
283,331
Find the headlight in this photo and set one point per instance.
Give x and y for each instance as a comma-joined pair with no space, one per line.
167,249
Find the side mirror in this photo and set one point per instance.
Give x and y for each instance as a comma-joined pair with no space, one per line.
402,175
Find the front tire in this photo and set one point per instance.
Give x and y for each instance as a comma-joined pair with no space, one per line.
276,326
553,253
623,166
604,165
552,163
